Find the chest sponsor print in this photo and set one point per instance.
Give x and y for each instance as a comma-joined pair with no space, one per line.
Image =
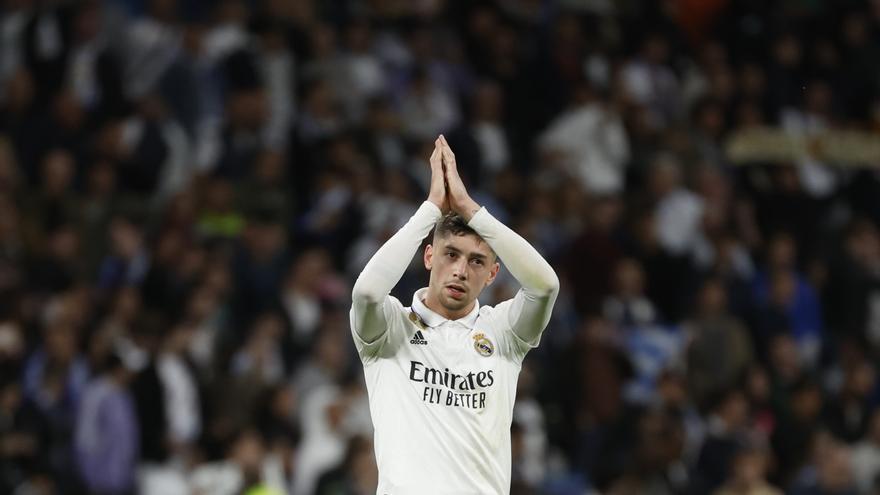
442,387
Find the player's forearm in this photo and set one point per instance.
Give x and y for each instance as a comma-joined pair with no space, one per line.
533,305
385,269
529,268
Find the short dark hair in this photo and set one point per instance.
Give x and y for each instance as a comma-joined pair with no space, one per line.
454,224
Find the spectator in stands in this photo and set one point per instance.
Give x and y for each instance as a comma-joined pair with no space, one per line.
106,439
191,186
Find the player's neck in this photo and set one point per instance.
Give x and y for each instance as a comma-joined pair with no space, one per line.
434,305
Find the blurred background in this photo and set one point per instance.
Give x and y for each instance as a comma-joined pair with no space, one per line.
188,190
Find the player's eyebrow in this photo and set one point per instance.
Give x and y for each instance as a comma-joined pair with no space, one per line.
470,255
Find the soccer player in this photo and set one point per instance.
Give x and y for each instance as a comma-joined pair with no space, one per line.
442,374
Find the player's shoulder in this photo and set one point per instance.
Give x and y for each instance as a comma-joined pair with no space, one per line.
395,303
391,302
393,310
396,308
495,309
495,313
493,325
388,342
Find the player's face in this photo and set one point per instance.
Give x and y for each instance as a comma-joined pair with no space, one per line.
461,267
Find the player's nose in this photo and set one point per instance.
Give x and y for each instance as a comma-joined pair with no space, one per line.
460,269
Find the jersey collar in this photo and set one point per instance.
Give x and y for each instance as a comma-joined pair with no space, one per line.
433,319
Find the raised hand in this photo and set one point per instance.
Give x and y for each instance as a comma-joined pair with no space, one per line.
459,199
437,193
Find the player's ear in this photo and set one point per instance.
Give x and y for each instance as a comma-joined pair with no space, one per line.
496,267
429,256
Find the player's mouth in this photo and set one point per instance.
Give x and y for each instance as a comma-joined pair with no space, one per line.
455,291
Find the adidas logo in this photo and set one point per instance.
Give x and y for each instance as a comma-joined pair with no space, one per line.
418,339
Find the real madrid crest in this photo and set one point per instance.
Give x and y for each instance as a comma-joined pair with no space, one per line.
483,345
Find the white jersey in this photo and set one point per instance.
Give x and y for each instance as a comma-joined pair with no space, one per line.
442,392
441,398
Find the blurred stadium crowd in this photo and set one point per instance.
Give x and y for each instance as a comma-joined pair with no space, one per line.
189,188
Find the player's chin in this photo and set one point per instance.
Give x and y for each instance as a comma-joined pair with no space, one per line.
453,303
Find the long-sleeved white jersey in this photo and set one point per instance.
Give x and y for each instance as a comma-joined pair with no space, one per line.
442,392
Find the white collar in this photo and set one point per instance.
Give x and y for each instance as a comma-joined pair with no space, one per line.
432,319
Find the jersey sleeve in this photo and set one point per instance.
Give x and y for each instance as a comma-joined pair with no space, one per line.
370,294
510,345
394,316
527,314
